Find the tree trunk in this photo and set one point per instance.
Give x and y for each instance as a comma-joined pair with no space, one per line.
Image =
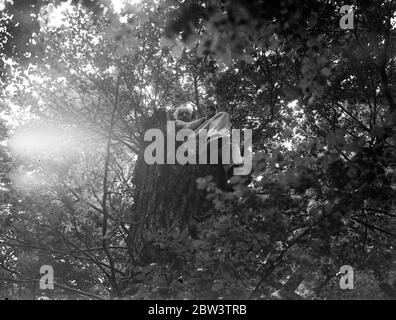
166,196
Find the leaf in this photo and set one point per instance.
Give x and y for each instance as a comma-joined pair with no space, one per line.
197,243
217,287
140,277
167,42
326,72
378,131
235,179
201,183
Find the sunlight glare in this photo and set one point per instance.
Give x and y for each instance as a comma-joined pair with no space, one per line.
44,141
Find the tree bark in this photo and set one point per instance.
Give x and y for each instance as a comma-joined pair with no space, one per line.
166,195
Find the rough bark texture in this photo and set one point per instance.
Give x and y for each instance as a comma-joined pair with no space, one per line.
166,196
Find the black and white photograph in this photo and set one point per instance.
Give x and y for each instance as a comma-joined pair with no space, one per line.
215,153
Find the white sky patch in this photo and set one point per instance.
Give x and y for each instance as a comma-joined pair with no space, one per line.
16,115
293,104
57,16
118,5
290,143
3,4
111,70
